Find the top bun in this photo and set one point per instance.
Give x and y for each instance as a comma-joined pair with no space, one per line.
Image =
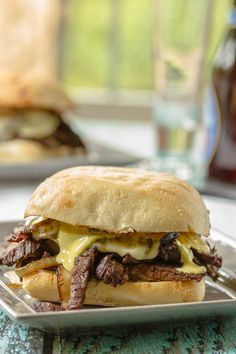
120,200
22,92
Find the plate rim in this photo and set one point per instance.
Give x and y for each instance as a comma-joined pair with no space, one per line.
87,312
32,314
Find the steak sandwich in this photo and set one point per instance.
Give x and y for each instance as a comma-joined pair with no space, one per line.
32,125
112,236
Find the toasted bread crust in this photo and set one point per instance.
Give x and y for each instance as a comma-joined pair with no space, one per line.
120,200
42,285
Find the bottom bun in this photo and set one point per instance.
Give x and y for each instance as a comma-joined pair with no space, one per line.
24,151
20,150
144,293
42,285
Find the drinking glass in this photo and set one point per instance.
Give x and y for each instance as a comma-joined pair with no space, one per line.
182,34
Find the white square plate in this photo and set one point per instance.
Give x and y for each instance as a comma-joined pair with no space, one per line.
220,299
97,154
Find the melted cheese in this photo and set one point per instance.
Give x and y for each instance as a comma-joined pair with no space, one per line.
185,242
187,259
137,248
191,240
72,245
28,123
73,241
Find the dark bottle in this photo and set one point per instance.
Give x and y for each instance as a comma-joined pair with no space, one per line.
223,164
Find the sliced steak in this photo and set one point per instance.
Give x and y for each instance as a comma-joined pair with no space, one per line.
19,234
65,135
111,271
212,271
5,247
169,253
155,272
211,259
128,259
82,270
51,247
25,249
48,306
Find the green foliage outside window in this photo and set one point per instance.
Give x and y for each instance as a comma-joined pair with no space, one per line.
87,43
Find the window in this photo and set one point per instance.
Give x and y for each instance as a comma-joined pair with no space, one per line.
107,60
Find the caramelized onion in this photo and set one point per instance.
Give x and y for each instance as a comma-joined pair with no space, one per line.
44,229
169,237
42,263
63,283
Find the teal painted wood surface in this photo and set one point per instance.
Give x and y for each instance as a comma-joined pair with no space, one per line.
19,339
202,336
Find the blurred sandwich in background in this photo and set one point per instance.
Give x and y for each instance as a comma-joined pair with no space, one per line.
32,104
31,121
